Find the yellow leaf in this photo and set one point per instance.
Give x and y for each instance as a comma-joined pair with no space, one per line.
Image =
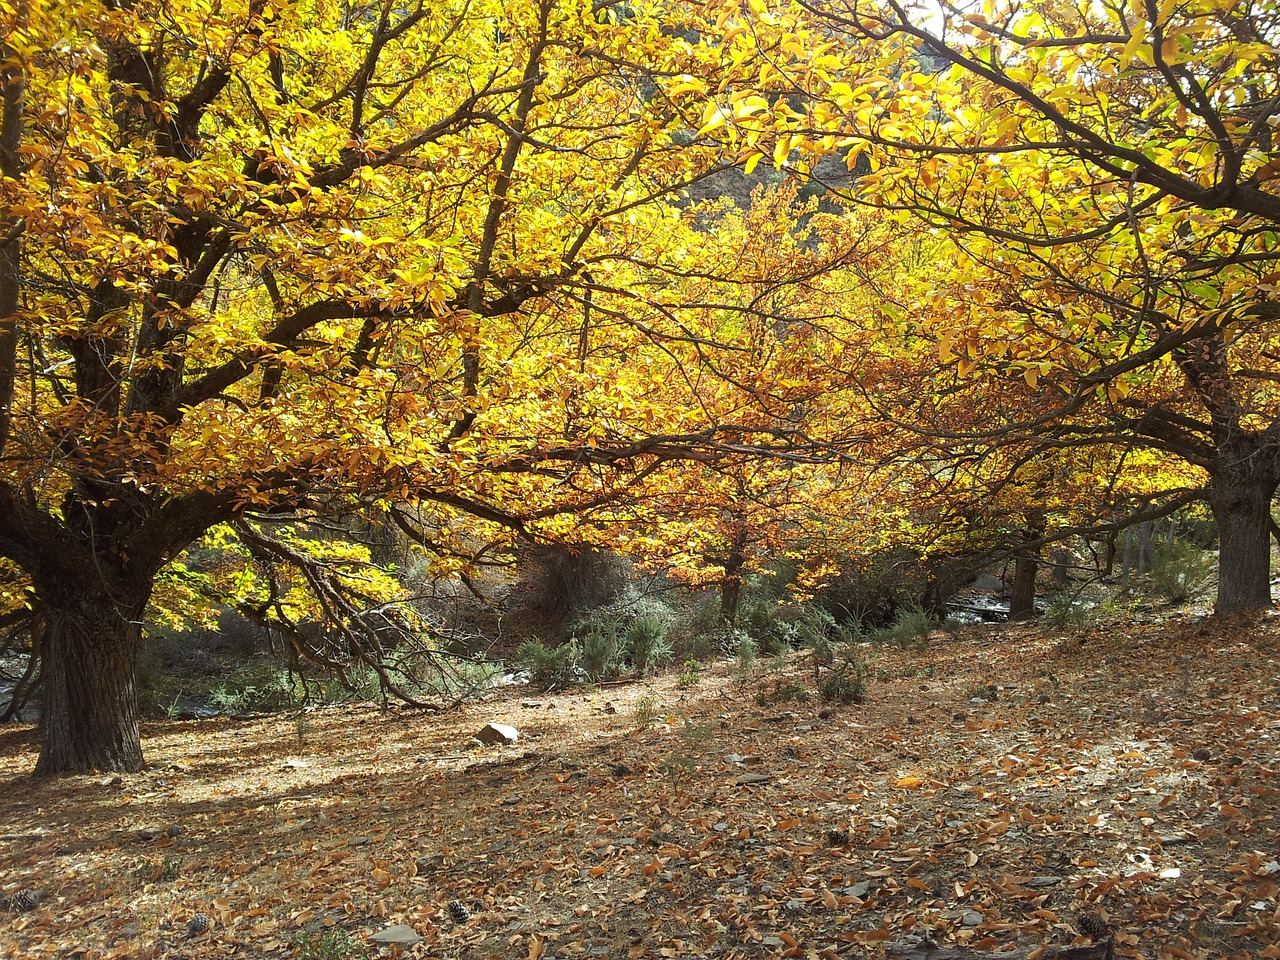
751,164
688,85
944,346
1135,41
712,119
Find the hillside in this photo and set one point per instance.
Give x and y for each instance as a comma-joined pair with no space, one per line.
988,791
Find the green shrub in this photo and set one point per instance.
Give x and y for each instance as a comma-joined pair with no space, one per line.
644,712
699,646
1180,571
601,652
782,691
648,643
1068,611
692,675
844,683
910,628
549,666
333,944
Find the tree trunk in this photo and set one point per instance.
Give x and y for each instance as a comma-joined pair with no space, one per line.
1243,513
90,665
1022,597
731,584
1146,548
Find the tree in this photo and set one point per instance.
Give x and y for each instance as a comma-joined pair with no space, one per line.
258,259
1105,177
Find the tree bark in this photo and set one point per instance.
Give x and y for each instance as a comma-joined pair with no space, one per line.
1242,510
1022,597
90,659
731,584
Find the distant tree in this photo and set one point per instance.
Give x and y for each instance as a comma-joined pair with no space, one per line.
1105,177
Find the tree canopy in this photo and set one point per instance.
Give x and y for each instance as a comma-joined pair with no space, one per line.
449,264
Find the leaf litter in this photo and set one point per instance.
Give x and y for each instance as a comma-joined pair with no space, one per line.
989,789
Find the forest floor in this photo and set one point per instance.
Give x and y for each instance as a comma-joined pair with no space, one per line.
990,789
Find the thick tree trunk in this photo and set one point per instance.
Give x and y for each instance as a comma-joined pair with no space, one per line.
1022,596
1243,513
90,659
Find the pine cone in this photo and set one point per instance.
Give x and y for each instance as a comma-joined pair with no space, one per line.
837,837
458,911
23,901
198,924
1092,925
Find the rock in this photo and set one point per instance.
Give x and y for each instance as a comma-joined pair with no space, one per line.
493,733
399,935
987,583
971,918
733,758
1201,753
859,889
747,779
174,831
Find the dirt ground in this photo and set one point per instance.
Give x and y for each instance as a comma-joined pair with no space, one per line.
990,790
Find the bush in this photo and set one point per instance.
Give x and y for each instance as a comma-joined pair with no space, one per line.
647,641
602,652
844,683
549,666
910,628
692,675
782,691
644,712
332,944
1180,571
